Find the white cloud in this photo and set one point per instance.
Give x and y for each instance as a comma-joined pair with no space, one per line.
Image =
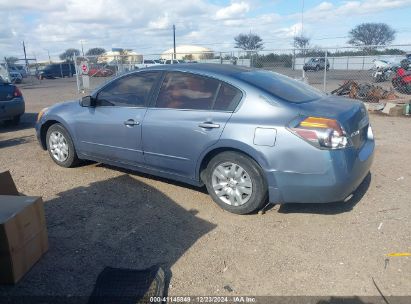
327,10
233,11
146,26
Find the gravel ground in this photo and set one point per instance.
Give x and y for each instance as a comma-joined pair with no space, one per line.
101,216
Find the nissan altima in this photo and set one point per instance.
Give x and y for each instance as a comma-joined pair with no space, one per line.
250,136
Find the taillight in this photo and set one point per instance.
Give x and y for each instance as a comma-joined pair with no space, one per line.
321,132
17,92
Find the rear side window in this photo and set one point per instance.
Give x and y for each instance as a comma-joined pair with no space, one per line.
228,98
129,91
281,86
187,91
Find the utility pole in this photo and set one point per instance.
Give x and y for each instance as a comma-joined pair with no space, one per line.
174,39
82,50
25,55
48,53
302,20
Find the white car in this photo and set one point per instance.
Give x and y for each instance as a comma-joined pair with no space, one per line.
146,63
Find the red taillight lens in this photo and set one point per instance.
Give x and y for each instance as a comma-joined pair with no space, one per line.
17,92
321,132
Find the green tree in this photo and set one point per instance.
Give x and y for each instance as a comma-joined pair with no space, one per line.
69,54
11,60
371,34
248,42
301,42
95,51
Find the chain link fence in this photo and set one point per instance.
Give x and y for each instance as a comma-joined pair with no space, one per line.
324,68
22,71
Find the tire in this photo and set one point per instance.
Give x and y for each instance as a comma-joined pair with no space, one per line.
64,153
219,178
13,122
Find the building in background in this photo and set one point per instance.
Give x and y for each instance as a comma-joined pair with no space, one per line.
188,52
120,56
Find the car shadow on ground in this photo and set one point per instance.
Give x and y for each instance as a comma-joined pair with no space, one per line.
351,300
119,222
202,189
27,121
330,208
16,141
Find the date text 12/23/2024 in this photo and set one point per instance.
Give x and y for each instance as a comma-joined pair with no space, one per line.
203,299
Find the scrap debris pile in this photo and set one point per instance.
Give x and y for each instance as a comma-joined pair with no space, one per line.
364,91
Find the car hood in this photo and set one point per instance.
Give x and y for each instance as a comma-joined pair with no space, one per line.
61,106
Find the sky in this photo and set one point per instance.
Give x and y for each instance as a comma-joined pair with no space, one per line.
51,26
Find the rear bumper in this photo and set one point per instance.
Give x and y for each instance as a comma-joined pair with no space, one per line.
346,171
12,108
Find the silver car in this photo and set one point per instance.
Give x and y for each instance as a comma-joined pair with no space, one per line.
250,136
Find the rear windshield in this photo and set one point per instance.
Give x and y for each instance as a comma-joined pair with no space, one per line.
281,86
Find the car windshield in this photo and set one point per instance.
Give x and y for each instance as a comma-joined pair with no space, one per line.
281,86
314,60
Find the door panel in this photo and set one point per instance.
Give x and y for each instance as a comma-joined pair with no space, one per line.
112,129
102,133
173,139
190,115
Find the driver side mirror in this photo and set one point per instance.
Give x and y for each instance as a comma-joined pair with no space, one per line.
88,101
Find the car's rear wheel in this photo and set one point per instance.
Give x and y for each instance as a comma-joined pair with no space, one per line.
60,146
236,183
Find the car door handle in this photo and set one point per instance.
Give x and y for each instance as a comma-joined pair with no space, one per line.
209,125
131,123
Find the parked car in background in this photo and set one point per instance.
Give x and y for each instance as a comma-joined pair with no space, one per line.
251,136
316,64
11,102
57,70
406,63
18,69
175,61
146,63
15,77
100,72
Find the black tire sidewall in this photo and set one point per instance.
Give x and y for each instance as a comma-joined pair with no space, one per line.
72,159
259,196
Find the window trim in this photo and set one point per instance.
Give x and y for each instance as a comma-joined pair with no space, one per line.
153,104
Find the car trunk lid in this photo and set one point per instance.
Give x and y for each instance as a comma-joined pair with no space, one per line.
6,91
351,114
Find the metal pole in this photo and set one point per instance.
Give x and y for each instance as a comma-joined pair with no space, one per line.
174,41
25,56
82,50
49,56
325,71
77,78
302,20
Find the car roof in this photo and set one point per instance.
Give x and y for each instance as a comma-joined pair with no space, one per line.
214,68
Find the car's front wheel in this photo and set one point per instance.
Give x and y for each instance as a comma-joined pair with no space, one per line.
60,146
236,183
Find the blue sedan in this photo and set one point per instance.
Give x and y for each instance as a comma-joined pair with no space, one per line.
250,136
12,104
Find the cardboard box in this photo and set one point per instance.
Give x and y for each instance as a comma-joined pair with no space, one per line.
23,232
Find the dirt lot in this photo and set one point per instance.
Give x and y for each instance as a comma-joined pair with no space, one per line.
101,216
